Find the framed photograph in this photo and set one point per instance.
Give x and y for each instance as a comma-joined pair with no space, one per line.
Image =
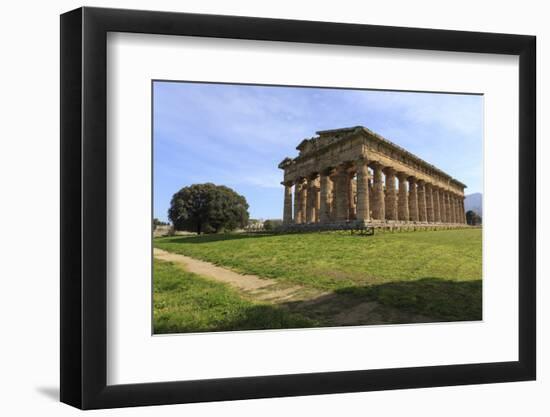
260,208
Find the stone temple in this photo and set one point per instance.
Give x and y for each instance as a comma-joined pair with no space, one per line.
353,176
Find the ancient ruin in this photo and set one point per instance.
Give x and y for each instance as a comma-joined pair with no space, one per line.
356,177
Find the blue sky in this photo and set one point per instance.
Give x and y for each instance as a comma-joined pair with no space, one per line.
236,135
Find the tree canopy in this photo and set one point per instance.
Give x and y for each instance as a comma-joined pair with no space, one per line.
157,222
208,208
272,224
472,218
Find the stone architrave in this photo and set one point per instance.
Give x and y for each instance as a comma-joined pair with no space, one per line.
391,195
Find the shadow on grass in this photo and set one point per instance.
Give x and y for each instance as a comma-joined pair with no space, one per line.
426,300
255,317
439,298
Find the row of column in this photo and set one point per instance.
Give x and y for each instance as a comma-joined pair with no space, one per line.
333,195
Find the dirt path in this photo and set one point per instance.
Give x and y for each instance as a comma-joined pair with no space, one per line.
337,309
263,289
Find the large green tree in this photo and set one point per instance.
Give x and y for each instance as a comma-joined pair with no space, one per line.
208,208
472,218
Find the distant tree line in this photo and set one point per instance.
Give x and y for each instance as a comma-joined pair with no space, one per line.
472,218
272,224
157,223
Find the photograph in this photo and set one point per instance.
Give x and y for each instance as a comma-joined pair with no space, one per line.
293,207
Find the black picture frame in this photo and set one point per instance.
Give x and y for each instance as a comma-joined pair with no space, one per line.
84,207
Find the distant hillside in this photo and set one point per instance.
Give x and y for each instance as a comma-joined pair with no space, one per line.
474,202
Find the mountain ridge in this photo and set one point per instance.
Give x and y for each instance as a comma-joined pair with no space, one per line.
474,202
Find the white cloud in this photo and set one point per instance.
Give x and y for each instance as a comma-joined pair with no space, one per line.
453,112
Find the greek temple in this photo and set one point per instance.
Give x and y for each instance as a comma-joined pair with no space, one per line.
355,176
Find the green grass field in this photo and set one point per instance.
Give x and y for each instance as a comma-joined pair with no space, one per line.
434,273
186,302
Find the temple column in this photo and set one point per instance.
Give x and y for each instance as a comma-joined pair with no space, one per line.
310,206
463,210
403,198
391,195
324,194
378,211
303,202
413,200
444,212
422,214
341,194
437,205
429,203
453,207
371,196
363,211
298,200
317,199
448,216
287,208
442,206
352,188
330,198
